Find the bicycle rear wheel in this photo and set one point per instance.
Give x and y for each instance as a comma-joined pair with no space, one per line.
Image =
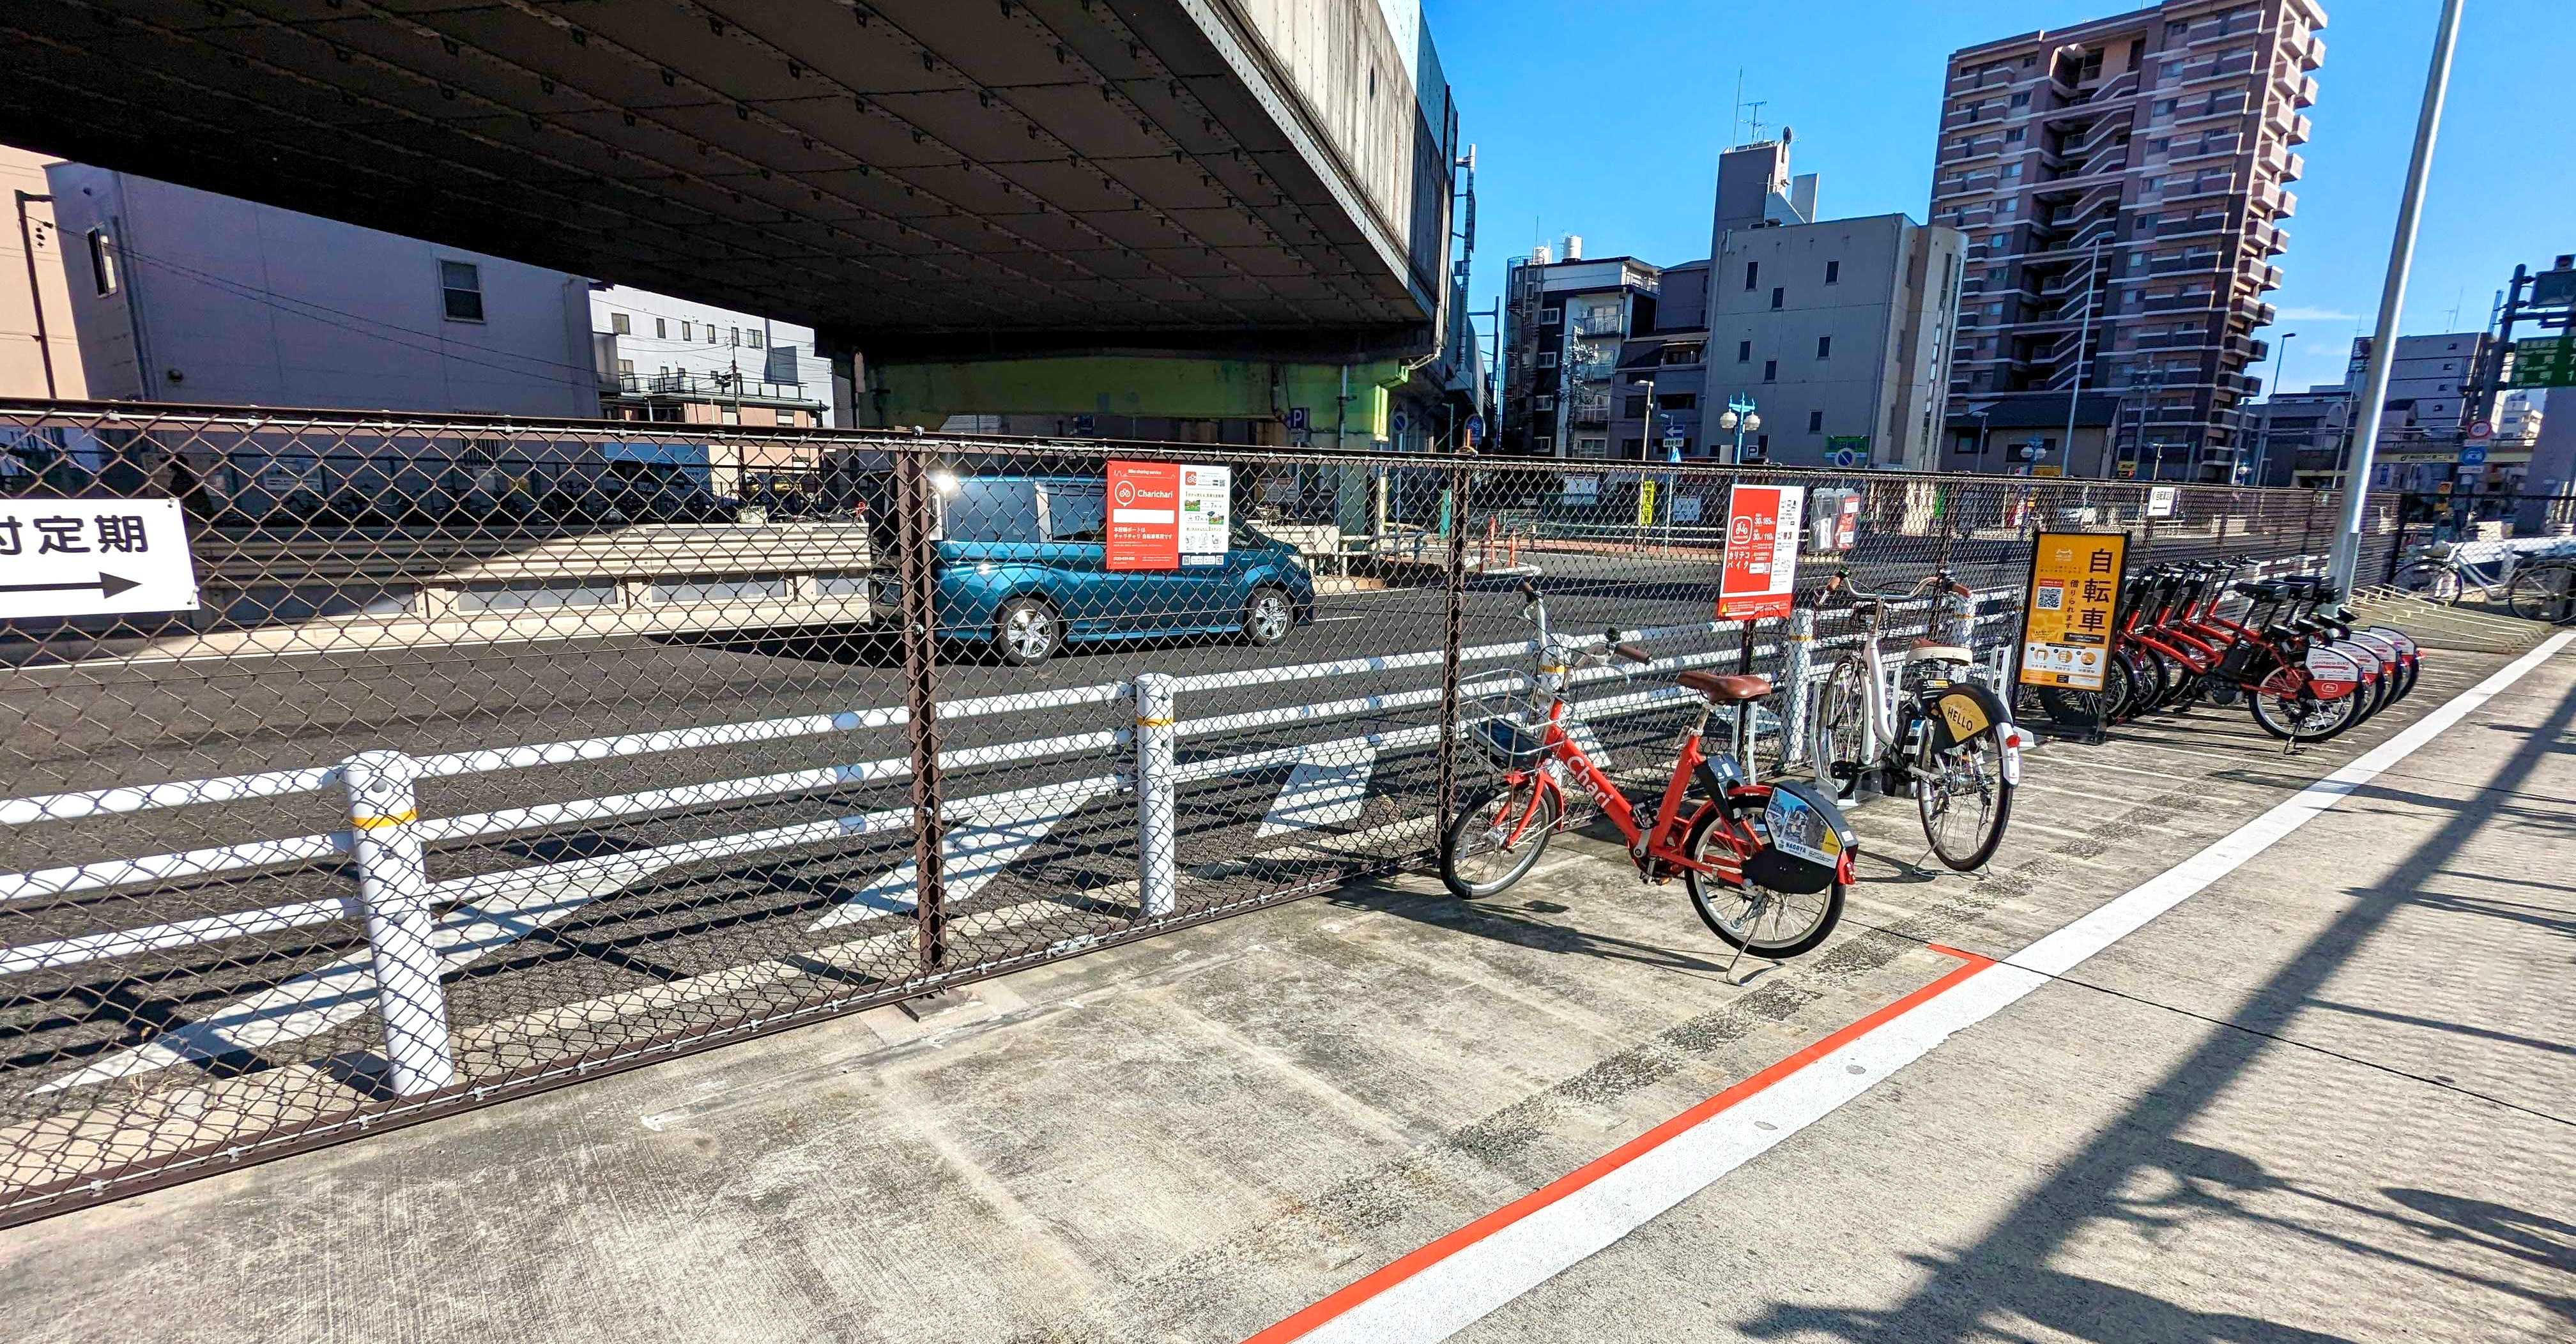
1963,797
1761,921
2544,593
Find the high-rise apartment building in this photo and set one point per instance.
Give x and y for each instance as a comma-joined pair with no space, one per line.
2122,183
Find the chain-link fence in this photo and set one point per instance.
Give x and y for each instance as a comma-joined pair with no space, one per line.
492,755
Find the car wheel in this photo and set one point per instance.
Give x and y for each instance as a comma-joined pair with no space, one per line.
1268,617
1026,632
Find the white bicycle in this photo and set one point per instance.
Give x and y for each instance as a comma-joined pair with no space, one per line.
1947,738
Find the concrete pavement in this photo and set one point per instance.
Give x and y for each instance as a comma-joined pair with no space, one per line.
1192,1138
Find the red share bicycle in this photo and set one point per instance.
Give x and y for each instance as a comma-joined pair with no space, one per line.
1766,865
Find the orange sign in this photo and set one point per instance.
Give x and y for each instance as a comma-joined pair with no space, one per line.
1144,515
2071,610
1761,572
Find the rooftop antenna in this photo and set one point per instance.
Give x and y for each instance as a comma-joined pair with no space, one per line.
1735,124
1756,105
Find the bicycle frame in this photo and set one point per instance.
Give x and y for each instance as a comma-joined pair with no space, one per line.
1661,845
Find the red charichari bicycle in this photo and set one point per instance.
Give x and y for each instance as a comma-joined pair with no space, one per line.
1766,865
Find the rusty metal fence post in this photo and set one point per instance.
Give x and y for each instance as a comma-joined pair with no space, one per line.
1453,624
917,504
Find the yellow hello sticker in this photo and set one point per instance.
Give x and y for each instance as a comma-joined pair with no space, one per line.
1965,716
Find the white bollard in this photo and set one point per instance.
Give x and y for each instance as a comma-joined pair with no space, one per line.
1796,671
393,889
1157,860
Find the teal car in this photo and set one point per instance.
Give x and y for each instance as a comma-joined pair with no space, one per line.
1023,566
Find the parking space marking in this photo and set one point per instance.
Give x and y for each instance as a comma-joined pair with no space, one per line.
1327,787
1436,1290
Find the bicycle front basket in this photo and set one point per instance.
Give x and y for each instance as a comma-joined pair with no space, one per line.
1504,731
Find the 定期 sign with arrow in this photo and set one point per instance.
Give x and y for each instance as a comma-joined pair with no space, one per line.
93,557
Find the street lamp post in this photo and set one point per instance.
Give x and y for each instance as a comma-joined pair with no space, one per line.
2263,443
1740,418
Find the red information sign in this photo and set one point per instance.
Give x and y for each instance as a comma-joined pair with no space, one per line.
1761,575
1144,515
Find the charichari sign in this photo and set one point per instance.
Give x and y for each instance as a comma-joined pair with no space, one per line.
1164,515
1761,574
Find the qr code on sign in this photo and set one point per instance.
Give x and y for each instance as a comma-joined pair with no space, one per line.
2051,597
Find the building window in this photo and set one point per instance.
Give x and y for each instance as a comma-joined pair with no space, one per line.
1543,443
1815,422
1770,370
1544,401
2021,99
1824,347
1678,401
626,368
621,324
1744,352
1833,272
661,330
688,331
460,285
1547,359
1634,407
755,340
1752,272
1779,297
1551,316
102,262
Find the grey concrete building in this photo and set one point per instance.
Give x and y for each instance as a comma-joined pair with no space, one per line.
2299,438
1837,330
2123,182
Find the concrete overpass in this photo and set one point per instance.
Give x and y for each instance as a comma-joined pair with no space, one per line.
926,182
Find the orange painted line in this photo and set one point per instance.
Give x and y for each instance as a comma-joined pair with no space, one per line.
1413,1262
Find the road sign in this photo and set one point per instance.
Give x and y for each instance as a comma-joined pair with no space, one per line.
1761,570
1144,515
1475,430
2160,500
2543,361
2071,607
2472,455
1400,422
2481,430
93,557
1297,417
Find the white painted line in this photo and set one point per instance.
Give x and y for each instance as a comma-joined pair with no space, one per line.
1327,787
1468,1275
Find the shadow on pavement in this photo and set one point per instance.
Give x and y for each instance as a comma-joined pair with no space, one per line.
2010,1274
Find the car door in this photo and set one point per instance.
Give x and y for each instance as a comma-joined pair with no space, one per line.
1073,513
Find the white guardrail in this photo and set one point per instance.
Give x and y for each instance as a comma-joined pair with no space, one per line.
386,840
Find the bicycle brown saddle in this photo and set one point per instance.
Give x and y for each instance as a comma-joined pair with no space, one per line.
1722,689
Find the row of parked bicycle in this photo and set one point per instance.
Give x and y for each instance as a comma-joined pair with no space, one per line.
2292,656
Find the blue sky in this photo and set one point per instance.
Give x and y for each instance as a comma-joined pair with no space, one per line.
1604,118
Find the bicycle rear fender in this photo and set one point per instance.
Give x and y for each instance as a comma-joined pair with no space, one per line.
1963,710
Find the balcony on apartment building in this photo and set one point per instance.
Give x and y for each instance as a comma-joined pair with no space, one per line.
1599,323
1589,409
2246,348
2280,119
2206,222
2259,275
2281,204
2264,239
2194,302
2284,165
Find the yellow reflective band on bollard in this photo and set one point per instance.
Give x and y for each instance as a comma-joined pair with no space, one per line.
380,823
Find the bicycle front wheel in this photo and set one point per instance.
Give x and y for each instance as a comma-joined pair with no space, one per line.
2431,579
1963,796
2544,593
1838,737
1487,847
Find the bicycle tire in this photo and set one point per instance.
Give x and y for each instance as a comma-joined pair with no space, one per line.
1819,926
2304,720
1988,743
2432,580
2543,593
1475,817
1836,732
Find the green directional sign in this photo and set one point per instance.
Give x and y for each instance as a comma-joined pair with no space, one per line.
2544,361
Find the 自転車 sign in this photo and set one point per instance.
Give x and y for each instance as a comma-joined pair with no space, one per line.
2070,610
93,557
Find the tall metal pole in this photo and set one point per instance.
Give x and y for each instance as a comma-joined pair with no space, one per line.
2263,445
36,287
2392,296
2083,337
